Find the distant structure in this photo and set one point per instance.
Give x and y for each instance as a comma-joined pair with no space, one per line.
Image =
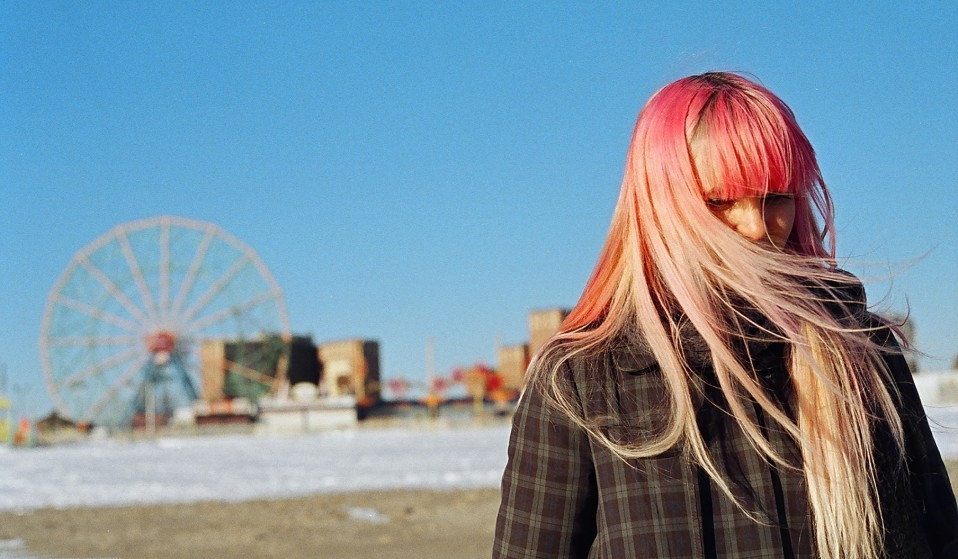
234,375
341,368
324,386
304,364
542,325
514,359
350,368
248,369
328,386
135,313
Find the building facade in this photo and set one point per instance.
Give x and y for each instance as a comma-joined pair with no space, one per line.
543,324
255,368
513,360
350,368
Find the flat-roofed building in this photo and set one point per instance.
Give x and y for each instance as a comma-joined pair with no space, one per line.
212,369
350,368
513,360
543,324
255,368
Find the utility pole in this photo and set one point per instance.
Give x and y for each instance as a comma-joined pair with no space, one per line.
430,362
432,397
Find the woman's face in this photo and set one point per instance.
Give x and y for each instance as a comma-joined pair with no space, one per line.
767,218
761,217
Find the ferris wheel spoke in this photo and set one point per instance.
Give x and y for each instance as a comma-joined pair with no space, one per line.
164,265
100,366
114,290
82,341
187,285
216,288
98,314
228,312
137,272
123,380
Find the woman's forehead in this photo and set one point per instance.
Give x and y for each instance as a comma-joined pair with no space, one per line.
735,166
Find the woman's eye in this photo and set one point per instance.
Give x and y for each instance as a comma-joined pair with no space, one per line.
779,197
717,204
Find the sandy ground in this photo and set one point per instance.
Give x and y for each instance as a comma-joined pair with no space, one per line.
392,524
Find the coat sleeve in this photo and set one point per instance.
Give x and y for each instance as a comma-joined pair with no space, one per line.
548,507
929,474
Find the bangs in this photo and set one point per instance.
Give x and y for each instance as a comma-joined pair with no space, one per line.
744,145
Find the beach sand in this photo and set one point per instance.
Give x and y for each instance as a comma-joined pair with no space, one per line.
391,524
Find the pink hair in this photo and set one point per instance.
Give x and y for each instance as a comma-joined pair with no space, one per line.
755,146
667,257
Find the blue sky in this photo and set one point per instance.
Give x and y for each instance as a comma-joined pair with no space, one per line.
414,170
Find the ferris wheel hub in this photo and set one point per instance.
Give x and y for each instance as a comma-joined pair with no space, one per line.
162,341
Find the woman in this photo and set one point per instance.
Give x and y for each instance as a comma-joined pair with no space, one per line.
720,390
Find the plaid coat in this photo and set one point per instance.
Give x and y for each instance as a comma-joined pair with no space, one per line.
564,495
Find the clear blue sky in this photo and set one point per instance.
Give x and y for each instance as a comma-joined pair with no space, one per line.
412,170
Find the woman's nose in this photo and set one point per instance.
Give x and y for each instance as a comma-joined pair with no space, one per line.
751,220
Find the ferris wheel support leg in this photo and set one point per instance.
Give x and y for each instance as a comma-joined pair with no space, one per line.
185,378
150,404
144,393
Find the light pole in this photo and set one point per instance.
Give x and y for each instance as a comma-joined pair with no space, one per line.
6,434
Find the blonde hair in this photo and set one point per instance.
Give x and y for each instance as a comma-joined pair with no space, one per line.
668,259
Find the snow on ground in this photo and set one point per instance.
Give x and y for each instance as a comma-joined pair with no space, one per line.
944,424
16,549
244,467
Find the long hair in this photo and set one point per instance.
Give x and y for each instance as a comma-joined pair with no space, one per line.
668,260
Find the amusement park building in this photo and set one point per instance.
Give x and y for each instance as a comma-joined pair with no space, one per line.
514,359
542,325
350,368
251,369
348,384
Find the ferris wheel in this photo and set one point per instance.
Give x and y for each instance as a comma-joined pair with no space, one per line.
128,326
